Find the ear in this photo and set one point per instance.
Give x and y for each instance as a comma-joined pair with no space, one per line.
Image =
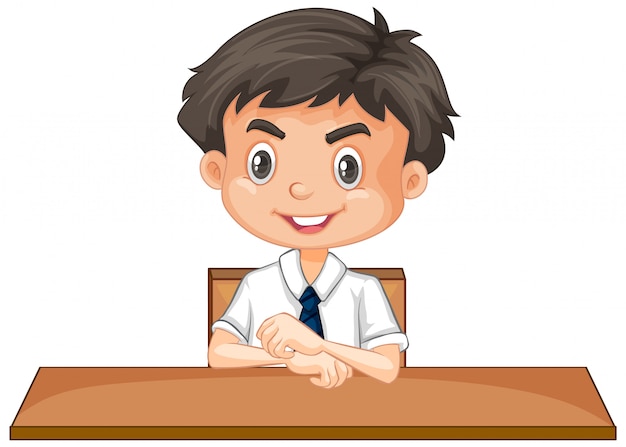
414,179
212,168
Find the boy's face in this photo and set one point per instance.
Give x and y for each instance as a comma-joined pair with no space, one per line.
312,177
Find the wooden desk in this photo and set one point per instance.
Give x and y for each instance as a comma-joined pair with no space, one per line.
205,403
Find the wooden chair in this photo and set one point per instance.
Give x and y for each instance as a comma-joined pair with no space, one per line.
224,281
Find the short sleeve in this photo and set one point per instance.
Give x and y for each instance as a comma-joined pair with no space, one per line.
236,319
377,322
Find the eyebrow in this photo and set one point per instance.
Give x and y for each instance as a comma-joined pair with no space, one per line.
265,126
346,131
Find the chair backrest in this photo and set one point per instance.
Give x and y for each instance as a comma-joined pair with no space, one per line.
223,283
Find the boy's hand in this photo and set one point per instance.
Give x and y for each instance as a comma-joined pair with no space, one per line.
282,331
328,371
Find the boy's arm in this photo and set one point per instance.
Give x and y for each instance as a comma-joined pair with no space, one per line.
283,330
226,352
382,362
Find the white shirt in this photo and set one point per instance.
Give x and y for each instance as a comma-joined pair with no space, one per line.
354,309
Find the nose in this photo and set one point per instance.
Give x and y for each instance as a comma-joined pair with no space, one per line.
300,191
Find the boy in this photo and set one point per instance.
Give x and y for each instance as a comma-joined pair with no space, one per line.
316,125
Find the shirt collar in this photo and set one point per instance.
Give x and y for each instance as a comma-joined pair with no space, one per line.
332,271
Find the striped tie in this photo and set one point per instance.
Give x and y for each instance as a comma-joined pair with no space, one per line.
310,312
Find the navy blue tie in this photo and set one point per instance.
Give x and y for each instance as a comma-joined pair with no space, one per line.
310,312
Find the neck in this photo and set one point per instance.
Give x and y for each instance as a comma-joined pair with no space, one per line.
312,260
313,254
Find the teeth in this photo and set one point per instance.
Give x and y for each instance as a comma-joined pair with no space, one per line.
309,221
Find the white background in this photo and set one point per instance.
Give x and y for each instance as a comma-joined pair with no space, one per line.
514,256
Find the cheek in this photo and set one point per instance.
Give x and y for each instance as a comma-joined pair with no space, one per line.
372,208
244,185
239,196
365,207
357,194
379,201
240,188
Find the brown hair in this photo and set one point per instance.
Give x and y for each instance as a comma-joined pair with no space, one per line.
322,54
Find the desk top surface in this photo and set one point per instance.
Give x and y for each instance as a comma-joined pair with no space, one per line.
206,403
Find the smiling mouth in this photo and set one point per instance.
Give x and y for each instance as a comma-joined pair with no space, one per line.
309,224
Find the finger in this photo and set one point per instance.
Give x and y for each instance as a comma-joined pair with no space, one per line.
272,344
267,335
281,350
316,381
324,378
349,371
342,373
264,330
267,323
332,375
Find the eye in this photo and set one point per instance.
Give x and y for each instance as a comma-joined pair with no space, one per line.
348,168
261,163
